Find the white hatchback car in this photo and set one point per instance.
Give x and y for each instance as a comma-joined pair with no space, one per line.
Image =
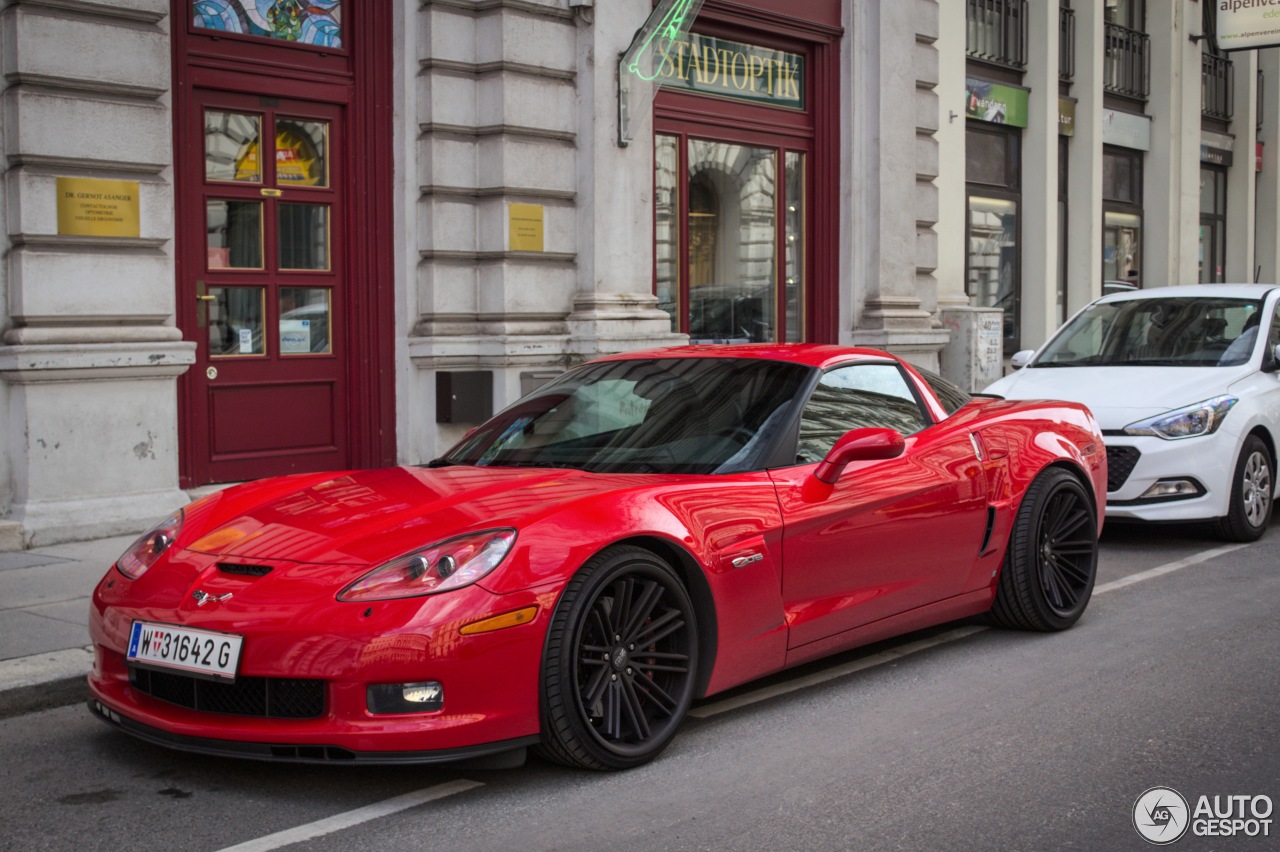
1185,382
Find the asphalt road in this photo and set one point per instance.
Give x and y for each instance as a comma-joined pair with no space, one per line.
958,738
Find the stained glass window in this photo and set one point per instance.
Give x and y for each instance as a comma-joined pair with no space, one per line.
314,22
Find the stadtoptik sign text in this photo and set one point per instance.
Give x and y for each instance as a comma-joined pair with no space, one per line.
717,66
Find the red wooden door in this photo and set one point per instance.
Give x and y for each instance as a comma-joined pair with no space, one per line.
264,285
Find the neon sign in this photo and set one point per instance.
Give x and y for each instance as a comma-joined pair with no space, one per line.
654,41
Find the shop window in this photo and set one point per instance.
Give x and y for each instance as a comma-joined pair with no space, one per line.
743,235
746,177
1213,223
1121,219
993,272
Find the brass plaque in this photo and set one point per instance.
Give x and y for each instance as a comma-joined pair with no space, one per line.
88,207
526,227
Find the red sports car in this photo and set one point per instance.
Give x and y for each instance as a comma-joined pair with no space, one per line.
647,529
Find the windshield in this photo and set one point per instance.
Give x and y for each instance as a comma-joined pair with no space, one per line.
1191,331
667,415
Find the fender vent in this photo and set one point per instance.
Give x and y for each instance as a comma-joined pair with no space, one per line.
991,525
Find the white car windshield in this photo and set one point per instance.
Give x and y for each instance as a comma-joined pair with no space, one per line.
1191,331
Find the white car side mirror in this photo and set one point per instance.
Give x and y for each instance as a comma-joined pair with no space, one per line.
1020,359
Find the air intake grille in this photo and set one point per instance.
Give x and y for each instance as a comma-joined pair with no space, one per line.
244,570
1120,463
266,697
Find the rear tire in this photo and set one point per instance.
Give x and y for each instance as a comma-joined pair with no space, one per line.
1251,490
620,664
1052,560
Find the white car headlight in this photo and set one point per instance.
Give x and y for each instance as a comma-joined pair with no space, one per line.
1203,418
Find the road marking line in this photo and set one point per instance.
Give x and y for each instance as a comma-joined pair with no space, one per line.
1167,568
303,833
312,830
717,707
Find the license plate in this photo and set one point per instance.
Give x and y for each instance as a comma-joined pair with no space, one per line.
201,652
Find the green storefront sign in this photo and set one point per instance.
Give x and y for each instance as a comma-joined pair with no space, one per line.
730,69
995,102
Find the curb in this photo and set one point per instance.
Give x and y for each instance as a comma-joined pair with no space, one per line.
43,696
44,681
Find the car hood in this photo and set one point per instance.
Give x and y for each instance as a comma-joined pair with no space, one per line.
370,517
1118,396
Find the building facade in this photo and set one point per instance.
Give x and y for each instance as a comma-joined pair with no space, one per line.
255,237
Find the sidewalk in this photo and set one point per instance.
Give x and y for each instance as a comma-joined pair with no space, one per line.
44,610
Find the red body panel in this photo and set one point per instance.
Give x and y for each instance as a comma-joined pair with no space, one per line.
786,568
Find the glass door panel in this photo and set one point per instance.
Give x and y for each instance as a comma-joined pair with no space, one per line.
235,321
666,225
993,258
231,146
794,254
1121,247
304,320
303,236
235,234
733,242
302,152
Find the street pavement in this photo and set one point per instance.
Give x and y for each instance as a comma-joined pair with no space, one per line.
44,609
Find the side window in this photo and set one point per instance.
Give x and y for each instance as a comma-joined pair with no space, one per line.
1273,337
854,397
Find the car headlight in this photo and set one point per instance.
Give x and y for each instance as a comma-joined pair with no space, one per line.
144,552
440,567
1203,418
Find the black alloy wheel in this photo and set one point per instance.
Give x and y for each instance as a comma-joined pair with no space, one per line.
620,663
1052,560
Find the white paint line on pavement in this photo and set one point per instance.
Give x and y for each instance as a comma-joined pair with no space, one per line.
312,830
1167,568
717,707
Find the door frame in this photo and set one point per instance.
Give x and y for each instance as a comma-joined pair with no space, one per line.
359,76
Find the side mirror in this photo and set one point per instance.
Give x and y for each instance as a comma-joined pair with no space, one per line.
1020,359
869,444
1271,360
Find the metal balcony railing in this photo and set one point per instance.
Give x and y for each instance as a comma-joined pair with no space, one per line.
1127,65
1066,43
1216,88
997,32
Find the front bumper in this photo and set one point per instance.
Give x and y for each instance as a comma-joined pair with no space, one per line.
513,750
1209,460
490,680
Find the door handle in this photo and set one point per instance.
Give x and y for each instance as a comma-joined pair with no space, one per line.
202,307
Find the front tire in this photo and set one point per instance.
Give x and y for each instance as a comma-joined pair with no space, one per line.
1251,490
1052,560
620,663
